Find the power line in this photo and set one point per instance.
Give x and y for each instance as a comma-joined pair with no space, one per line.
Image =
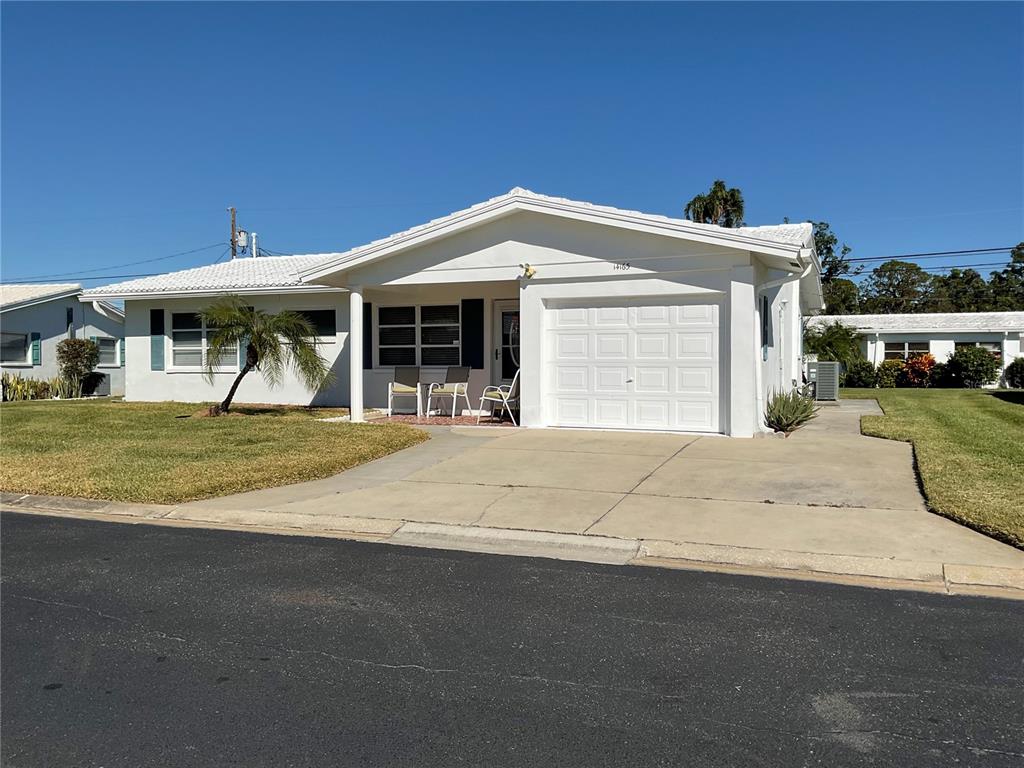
932,254
112,266
96,277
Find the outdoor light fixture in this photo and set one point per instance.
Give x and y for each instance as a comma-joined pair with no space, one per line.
528,271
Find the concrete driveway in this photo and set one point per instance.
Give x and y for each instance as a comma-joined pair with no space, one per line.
825,490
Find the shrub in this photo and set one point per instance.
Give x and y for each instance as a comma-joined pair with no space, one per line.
974,366
942,376
788,411
916,372
16,388
77,358
860,373
1015,374
889,372
834,342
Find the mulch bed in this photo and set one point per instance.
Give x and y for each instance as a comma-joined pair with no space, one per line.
458,421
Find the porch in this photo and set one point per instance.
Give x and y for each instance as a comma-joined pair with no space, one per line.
433,327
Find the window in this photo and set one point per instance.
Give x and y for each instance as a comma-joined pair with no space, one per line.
439,335
190,341
427,335
13,347
69,316
108,351
994,347
903,350
324,320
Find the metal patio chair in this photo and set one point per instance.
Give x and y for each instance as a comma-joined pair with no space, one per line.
456,385
406,384
505,395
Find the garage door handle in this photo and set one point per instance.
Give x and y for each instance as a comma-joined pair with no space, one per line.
629,381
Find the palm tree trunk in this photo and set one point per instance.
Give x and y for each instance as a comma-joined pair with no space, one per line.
251,360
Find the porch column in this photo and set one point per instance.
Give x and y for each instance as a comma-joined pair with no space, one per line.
744,354
355,352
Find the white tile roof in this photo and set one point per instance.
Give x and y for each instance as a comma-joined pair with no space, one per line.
930,321
12,294
785,234
235,275
284,271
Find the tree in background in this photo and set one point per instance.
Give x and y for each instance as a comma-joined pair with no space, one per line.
1007,286
962,290
841,294
722,206
273,343
896,287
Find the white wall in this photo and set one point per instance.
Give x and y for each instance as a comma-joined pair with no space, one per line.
49,320
144,384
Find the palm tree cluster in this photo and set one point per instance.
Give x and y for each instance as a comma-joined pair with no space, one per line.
721,205
273,343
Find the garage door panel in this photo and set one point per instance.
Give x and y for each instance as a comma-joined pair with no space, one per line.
695,344
652,345
571,379
611,346
633,366
651,380
695,381
611,413
652,414
572,346
611,378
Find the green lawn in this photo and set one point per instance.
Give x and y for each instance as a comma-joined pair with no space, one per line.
969,446
151,452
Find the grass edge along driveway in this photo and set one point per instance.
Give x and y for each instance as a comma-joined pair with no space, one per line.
153,453
969,446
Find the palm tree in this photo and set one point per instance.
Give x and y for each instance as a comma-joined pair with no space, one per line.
721,206
273,343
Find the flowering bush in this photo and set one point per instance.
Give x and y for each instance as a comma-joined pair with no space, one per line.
917,371
889,372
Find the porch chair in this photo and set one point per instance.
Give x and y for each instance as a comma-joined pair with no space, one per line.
456,385
406,384
505,395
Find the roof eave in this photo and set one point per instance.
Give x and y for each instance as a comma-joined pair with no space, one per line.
500,208
40,300
208,292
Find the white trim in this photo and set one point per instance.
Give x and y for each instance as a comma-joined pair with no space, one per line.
117,351
192,293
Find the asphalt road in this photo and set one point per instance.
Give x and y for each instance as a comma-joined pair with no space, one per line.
135,645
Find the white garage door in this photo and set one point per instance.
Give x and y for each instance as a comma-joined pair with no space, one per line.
633,366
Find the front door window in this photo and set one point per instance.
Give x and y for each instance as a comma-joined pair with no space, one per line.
508,348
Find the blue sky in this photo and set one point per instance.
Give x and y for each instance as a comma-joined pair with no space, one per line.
127,129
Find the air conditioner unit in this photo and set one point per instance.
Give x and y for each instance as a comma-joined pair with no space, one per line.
823,376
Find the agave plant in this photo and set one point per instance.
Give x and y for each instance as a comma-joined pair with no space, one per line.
788,411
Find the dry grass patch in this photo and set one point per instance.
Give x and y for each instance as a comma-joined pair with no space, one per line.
155,453
969,445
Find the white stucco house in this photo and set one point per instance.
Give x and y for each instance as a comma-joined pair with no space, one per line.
34,318
625,320
889,337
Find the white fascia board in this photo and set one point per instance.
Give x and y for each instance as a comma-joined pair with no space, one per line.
126,296
108,310
40,300
479,216
932,331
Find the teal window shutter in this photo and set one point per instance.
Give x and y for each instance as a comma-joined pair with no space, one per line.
120,344
242,346
37,349
156,339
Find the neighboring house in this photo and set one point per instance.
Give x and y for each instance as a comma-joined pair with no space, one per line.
897,337
618,319
35,318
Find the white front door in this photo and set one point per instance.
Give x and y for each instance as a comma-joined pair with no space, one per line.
506,341
633,365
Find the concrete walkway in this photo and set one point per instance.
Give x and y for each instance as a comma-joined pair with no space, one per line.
826,500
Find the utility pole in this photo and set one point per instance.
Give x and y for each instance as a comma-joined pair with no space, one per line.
234,234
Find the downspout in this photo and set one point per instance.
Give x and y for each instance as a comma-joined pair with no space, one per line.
758,377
